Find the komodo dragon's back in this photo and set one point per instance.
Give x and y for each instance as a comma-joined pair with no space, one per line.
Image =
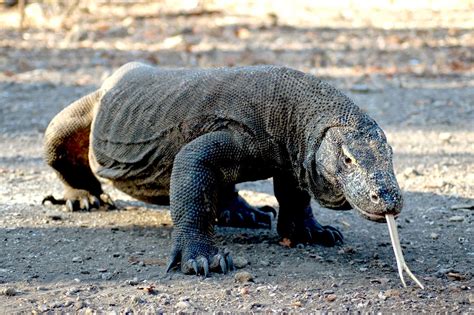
147,114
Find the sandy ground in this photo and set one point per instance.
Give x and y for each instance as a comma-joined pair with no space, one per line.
417,82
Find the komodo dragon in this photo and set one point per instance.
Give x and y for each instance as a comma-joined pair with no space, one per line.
188,136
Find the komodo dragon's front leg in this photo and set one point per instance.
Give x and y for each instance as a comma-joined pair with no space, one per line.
66,149
295,218
200,168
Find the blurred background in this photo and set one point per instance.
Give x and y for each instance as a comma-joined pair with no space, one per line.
338,38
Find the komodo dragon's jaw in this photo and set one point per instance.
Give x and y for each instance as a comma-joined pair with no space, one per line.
358,165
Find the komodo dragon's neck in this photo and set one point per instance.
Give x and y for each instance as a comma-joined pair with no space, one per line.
310,112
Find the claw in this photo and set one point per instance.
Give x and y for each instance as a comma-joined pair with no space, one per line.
175,258
53,200
84,204
223,265
195,266
269,210
108,201
190,266
204,264
230,262
95,202
69,205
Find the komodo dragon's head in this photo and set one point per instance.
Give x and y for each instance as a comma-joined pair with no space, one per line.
357,165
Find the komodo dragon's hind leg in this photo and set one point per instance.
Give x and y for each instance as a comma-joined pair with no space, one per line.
295,218
234,211
66,150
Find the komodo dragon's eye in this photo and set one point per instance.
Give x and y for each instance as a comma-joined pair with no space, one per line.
347,157
347,160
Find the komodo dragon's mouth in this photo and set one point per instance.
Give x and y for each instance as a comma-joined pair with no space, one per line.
372,216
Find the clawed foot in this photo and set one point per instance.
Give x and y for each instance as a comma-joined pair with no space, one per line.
310,231
82,200
238,213
200,258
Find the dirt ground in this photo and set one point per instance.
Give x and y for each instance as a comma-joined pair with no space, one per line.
416,81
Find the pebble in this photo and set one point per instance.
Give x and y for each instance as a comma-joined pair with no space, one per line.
243,276
434,236
133,281
330,298
392,293
240,262
9,292
265,263
79,304
326,292
43,308
410,172
72,291
382,296
445,137
77,259
462,206
106,276
183,305
456,218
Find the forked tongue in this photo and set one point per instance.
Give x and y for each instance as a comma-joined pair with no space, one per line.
401,264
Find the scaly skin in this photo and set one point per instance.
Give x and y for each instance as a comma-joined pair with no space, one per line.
188,136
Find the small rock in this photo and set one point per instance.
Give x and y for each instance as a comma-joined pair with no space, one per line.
382,296
245,290
411,172
363,269
9,292
361,88
55,217
43,308
434,236
456,218
442,271
462,206
72,291
116,255
265,263
102,269
106,276
79,304
135,300
446,137
392,293
330,298
456,276
240,262
133,281
182,305
326,292
77,259
243,276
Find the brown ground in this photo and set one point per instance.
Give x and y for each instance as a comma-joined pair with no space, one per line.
417,82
